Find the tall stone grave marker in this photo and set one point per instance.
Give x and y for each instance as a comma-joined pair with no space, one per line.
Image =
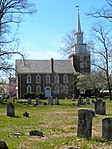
29,101
85,117
10,109
80,101
50,100
100,107
38,101
107,128
87,100
56,101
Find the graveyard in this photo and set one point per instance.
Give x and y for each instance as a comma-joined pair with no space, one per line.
56,125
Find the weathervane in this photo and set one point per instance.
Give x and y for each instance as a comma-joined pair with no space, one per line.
77,8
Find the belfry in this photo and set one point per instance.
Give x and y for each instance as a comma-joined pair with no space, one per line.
81,56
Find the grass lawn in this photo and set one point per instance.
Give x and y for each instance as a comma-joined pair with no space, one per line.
58,124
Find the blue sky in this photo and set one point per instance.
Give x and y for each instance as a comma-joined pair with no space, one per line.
41,34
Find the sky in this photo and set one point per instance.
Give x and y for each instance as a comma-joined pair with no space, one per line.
41,34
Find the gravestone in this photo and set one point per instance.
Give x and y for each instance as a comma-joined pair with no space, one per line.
87,100
107,128
3,145
36,133
56,101
26,114
17,134
10,109
100,107
50,100
85,117
38,102
80,101
29,101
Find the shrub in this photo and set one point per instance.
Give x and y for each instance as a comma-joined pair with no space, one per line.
41,95
30,95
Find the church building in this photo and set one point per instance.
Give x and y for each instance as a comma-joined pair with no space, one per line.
54,77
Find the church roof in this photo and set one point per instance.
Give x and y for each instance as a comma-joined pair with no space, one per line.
44,66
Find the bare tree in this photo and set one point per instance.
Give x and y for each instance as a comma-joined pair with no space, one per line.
103,51
11,12
69,43
104,12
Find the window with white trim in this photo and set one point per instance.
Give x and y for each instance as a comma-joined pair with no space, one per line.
61,88
65,89
28,78
57,89
29,89
65,79
47,78
56,78
38,78
38,89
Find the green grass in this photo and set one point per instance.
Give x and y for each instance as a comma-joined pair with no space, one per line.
58,124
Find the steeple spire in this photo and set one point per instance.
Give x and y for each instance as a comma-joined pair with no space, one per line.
78,21
79,25
79,33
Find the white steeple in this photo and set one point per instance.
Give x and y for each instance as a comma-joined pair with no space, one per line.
78,22
80,57
79,33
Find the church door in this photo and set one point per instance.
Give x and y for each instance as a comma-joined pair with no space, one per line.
47,91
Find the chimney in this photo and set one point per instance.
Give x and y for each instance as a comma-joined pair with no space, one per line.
52,65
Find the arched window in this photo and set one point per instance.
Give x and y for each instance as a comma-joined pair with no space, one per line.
61,88
65,79
28,78
47,78
56,78
38,78
65,89
57,89
38,89
29,89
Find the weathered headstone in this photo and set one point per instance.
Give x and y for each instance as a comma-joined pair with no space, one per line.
26,114
10,109
100,107
85,117
36,133
80,101
50,100
38,102
107,128
56,101
87,100
3,145
29,101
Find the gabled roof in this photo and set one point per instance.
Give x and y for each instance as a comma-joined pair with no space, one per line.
44,66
